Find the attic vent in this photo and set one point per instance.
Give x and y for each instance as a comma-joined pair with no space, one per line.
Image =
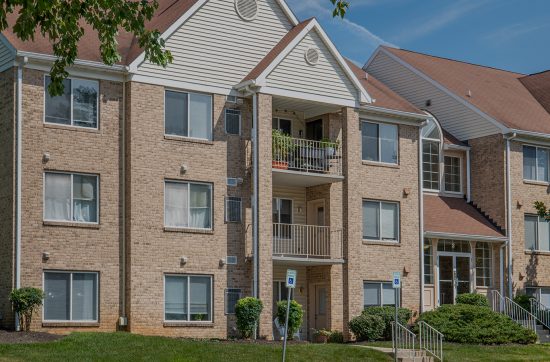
312,56
246,9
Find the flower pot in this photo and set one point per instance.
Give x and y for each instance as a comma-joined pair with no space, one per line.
321,339
281,165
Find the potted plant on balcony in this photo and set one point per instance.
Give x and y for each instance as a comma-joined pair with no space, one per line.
283,146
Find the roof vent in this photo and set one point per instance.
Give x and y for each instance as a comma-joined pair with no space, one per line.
246,9
312,56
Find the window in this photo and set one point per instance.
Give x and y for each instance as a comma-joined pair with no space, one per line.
188,205
77,106
452,174
188,298
535,163
282,218
71,197
428,262
378,294
380,220
379,142
70,296
233,209
233,121
483,264
283,125
430,155
232,296
537,233
454,246
542,295
188,115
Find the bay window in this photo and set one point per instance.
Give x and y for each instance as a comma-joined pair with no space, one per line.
188,205
188,115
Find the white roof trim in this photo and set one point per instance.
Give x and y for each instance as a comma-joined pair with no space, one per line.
314,25
484,115
453,236
288,12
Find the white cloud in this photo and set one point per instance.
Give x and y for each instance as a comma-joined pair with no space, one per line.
511,32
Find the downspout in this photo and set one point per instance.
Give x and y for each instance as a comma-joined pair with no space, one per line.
19,149
255,198
468,177
123,321
421,212
509,213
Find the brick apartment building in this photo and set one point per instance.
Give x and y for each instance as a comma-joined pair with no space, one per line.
151,199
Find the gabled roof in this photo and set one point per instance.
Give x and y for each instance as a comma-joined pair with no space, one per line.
498,93
383,96
539,86
452,215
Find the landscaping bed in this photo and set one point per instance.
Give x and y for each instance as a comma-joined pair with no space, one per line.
11,337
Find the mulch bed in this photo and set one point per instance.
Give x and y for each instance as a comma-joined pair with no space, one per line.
10,337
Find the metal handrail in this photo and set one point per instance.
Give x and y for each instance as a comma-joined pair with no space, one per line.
541,312
306,241
403,340
430,340
514,311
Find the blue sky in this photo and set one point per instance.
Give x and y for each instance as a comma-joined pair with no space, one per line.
507,34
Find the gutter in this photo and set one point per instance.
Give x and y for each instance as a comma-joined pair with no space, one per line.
123,320
509,213
116,68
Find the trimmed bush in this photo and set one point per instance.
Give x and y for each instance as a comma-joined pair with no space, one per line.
367,327
472,299
472,324
336,337
524,301
24,302
247,311
388,315
295,315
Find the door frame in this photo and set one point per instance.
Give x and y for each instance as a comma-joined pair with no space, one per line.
312,306
454,255
310,207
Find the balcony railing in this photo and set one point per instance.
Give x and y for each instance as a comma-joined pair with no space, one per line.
315,157
306,241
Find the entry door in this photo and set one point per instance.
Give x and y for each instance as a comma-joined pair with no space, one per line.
454,277
320,306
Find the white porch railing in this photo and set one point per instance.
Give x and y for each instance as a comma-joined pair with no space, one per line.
541,312
403,340
308,156
306,241
430,340
513,310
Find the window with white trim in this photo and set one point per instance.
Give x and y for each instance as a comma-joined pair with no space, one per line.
452,174
71,197
233,209
535,163
188,298
483,264
233,121
428,262
378,294
188,205
380,220
232,296
77,106
431,144
188,115
379,142
70,296
537,233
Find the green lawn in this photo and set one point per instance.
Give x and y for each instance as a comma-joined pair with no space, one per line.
466,353
129,347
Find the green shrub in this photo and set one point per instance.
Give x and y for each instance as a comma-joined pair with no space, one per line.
472,299
388,315
367,327
336,337
524,301
24,302
247,311
295,315
463,323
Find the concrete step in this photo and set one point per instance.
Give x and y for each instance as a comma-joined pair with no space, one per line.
413,356
544,336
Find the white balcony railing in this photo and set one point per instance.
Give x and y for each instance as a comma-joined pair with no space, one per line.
306,241
316,157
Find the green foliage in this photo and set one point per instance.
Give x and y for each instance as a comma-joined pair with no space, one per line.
24,302
295,316
367,327
524,301
472,299
247,311
62,23
463,323
336,337
282,144
388,315
340,8
542,210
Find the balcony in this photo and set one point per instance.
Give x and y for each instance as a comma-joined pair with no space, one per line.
307,244
301,162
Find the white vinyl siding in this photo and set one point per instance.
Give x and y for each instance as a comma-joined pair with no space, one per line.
536,163
220,55
327,78
537,233
380,220
456,118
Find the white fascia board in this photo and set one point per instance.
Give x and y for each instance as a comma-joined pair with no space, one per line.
308,97
388,118
184,85
532,134
416,116
288,12
494,122
171,30
453,236
372,57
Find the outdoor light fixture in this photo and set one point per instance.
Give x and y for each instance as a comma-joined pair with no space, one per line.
183,168
183,260
45,157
